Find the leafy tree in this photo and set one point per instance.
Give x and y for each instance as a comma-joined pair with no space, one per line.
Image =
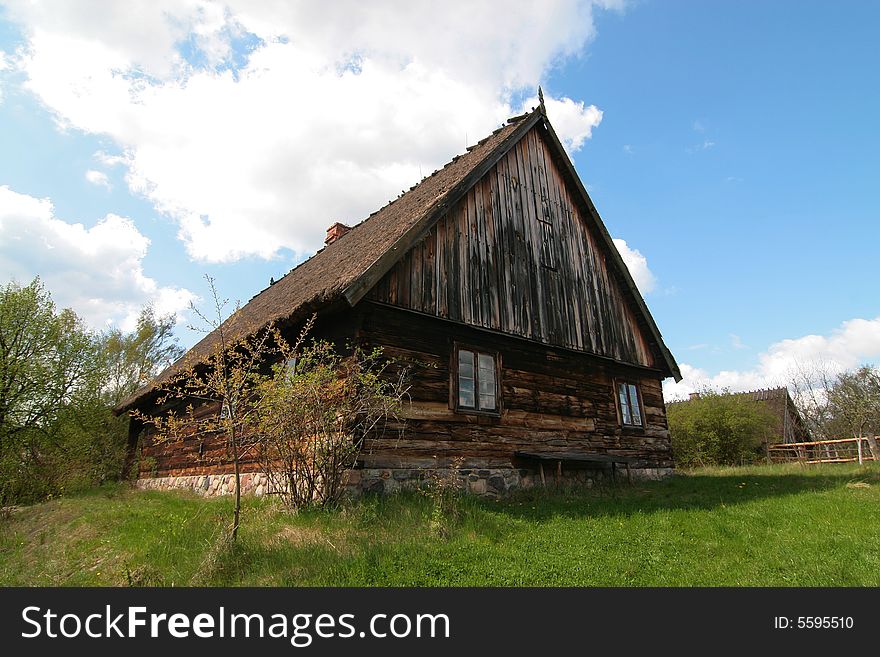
304,419
133,359
58,383
718,428
49,370
44,357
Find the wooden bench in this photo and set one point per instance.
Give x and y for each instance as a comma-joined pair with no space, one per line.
577,457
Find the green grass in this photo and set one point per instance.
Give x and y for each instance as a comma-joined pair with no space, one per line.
759,526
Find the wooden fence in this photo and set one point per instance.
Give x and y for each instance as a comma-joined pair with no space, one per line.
843,450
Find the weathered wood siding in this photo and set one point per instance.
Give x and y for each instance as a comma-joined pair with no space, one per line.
551,400
515,255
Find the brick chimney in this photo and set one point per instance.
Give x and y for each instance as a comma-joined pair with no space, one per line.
336,231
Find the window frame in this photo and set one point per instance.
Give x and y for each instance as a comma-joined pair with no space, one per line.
454,380
616,391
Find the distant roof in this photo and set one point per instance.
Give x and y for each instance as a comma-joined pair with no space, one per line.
763,394
348,266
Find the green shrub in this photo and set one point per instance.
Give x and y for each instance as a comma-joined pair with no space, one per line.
718,428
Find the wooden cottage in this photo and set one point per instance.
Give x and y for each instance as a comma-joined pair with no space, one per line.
531,350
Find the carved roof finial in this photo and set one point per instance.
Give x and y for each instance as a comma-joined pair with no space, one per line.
540,96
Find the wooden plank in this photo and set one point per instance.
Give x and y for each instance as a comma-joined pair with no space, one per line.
533,236
524,323
455,285
816,443
528,274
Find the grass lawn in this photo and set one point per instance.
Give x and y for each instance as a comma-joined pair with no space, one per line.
757,526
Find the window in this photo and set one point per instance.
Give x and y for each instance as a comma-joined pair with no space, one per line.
477,381
630,404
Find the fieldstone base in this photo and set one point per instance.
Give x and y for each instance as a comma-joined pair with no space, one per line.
252,483
491,482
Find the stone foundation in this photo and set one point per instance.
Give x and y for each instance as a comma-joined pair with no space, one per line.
252,483
490,482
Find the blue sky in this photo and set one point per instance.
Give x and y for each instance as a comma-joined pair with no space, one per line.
732,146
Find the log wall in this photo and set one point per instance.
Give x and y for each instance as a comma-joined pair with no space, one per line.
551,400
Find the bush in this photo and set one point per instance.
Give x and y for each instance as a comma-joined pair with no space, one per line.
314,414
718,428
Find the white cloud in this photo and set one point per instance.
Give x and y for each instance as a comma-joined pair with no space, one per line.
853,343
98,178
284,117
96,271
109,160
572,120
637,265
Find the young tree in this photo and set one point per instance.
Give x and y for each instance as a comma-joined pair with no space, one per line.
226,380
718,428
809,383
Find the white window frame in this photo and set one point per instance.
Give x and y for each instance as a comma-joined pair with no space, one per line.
455,380
628,398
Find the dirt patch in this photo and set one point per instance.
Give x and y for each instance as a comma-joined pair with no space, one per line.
299,536
309,536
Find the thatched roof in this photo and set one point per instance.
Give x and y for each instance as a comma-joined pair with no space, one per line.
763,394
333,272
346,269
